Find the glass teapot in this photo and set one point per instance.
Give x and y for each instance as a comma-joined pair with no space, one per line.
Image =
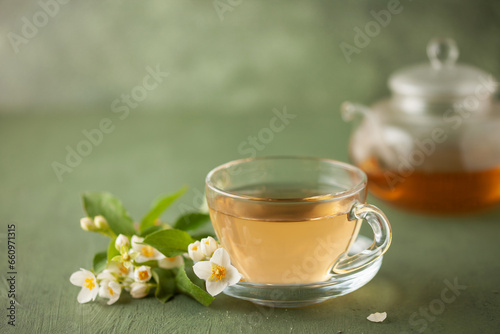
434,145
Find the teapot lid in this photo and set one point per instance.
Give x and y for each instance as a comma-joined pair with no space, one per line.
442,77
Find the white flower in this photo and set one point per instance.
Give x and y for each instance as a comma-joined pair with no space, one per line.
171,262
106,275
119,269
139,290
110,289
146,252
218,272
87,224
195,252
121,241
87,281
209,246
101,222
142,274
377,317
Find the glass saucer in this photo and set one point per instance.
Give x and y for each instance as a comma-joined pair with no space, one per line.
299,295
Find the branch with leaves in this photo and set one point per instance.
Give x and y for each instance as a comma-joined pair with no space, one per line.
151,255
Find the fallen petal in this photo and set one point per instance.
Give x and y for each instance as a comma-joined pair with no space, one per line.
377,317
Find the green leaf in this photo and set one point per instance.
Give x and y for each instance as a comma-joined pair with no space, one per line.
191,221
188,267
151,263
165,280
100,261
112,251
187,287
160,205
150,230
106,205
170,242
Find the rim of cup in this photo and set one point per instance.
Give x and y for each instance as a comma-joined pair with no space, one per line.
327,196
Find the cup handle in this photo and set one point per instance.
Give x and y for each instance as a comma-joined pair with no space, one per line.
382,240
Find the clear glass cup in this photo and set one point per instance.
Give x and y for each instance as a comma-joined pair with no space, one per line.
288,223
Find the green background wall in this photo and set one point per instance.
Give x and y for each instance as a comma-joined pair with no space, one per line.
244,57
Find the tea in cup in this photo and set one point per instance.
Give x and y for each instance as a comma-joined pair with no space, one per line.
292,220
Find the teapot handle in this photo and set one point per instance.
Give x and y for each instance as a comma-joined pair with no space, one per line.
349,111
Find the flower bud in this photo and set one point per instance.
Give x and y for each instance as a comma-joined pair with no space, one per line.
139,290
87,224
101,222
121,241
209,246
195,251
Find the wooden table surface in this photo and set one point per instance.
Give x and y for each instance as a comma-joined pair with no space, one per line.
151,154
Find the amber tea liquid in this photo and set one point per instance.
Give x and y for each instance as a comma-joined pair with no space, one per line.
283,246
437,192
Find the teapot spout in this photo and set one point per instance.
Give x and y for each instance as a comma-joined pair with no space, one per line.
349,111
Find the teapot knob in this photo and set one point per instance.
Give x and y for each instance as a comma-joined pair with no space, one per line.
442,52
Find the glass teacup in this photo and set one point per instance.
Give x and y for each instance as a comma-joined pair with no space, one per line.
292,220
